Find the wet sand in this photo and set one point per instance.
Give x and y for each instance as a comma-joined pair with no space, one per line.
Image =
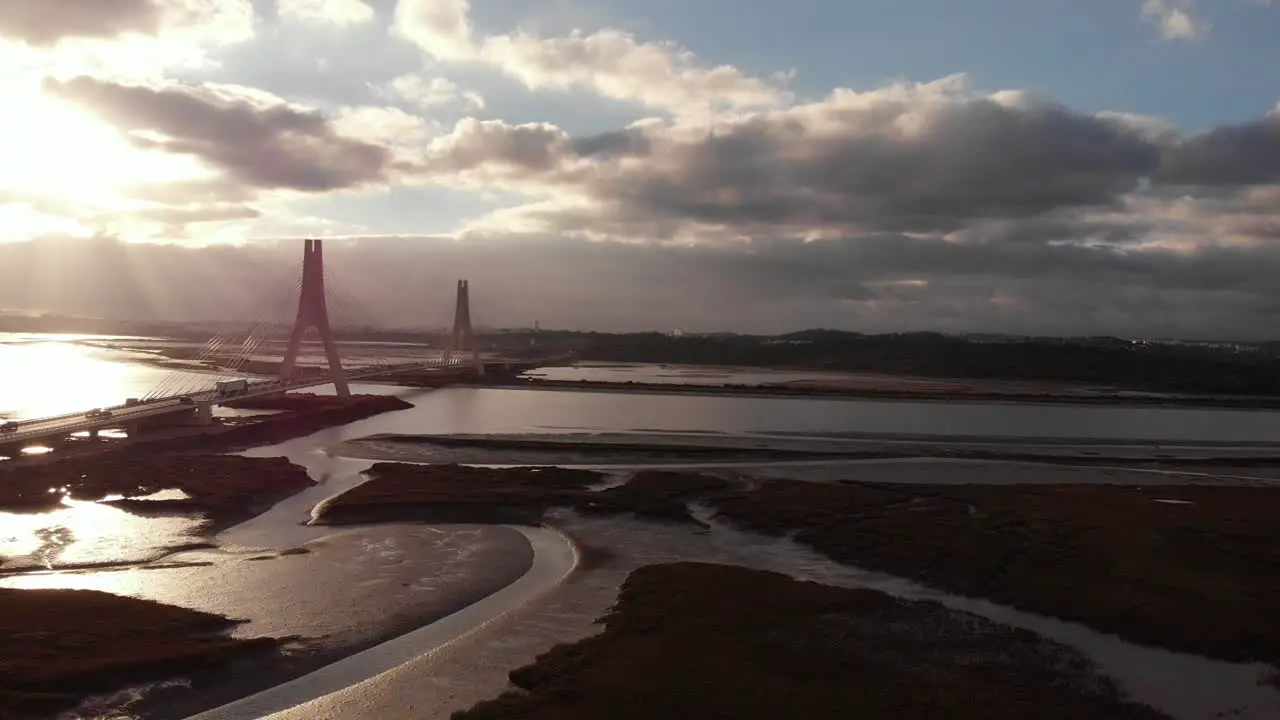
554,559
392,579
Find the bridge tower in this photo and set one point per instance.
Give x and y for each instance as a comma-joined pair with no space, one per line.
313,312
463,337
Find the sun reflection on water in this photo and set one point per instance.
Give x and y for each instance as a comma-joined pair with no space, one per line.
47,377
82,532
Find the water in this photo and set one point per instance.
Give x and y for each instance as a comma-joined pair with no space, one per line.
707,375
83,533
501,410
43,377
50,375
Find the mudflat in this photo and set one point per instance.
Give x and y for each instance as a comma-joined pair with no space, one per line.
1186,567
702,640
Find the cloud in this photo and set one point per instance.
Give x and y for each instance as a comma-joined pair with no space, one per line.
1228,155
927,157
49,22
442,28
251,137
386,126
1175,19
339,13
430,93
613,63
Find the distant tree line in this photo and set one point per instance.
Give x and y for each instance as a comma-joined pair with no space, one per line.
1102,361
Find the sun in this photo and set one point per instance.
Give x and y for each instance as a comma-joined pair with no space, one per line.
59,153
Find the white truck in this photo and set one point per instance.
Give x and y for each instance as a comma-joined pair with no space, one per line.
227,388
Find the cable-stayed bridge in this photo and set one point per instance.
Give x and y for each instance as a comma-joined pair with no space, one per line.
239,365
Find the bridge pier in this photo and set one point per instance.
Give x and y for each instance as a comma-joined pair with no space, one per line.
202,415
313,312
463,337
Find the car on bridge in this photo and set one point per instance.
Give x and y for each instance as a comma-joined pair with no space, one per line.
186,400
9,426
97,413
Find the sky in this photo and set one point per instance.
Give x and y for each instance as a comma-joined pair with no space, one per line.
1050,167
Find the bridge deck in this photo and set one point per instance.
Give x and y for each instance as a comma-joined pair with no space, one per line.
122,415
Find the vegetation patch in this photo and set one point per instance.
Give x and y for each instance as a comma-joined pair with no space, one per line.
224,488
696,640
1198,577
458,493
63,645
654,495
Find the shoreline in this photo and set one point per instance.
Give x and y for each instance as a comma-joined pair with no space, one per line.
1261,404
301,414
631,449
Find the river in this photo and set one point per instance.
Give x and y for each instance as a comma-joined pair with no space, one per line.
48,375
380,568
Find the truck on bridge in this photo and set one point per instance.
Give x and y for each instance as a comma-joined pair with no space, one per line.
227,388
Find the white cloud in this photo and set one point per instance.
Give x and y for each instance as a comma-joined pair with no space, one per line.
442,28
1175,19
429,93
339,13
613,63
49,23
384,125
135,39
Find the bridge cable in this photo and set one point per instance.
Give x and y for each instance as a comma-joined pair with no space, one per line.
185,382
352,315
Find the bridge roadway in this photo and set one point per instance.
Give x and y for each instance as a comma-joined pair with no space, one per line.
124,415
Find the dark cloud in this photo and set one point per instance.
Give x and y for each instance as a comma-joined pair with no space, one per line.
881,283
254,142
1231,155
611,144
495,146
45,22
